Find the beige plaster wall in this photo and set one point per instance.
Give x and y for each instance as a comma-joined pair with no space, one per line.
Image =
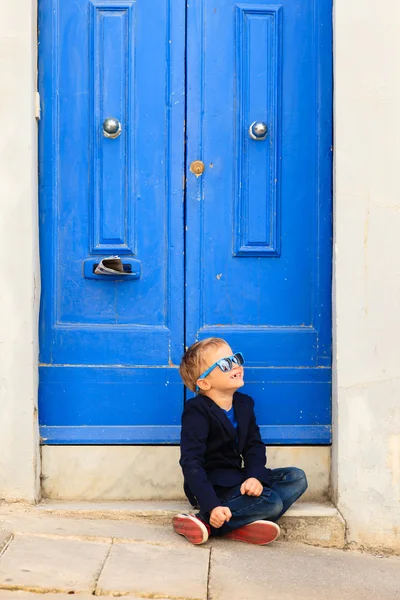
19,270
366,454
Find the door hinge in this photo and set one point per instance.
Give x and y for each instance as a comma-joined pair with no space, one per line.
37,106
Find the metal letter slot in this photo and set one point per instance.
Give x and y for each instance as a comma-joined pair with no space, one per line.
131,270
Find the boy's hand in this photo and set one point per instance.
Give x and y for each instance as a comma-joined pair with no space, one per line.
251,487
219,515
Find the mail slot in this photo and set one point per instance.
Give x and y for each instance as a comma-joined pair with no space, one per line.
131,266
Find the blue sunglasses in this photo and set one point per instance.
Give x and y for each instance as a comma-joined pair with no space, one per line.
225,364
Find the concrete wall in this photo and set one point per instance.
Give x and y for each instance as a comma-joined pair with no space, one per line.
366,454
153,472
19,269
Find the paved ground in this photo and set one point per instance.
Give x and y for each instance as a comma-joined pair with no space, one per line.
53,557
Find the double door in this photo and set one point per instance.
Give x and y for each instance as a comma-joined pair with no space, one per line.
194,142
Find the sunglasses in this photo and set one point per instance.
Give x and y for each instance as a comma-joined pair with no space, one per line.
225,364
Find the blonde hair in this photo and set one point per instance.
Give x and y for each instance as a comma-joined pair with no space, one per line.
193,364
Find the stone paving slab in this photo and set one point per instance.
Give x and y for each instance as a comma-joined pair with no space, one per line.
153,571
291,571
38,563
17,595
100,529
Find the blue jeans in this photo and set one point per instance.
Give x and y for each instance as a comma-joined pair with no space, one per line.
287,485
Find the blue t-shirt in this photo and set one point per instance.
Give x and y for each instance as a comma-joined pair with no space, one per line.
232,417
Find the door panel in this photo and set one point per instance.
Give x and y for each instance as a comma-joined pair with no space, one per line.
258,234
109,347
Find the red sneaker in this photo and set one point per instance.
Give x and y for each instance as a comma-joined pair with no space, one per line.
194,530
259,532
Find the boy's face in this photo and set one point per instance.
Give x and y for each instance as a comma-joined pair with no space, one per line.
217,379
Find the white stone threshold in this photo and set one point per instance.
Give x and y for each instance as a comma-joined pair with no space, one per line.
318,524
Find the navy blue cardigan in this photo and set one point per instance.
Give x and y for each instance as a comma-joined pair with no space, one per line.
213,453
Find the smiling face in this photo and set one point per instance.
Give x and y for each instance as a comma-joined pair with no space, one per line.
217,379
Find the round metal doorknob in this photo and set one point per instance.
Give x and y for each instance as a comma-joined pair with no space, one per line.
111,128
258,130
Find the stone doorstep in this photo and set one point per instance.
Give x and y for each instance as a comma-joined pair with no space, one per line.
316,524
312,523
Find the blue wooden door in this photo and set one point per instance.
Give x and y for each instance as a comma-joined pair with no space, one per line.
244,253
109,345
258,240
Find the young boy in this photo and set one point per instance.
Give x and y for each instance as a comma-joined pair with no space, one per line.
223,457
